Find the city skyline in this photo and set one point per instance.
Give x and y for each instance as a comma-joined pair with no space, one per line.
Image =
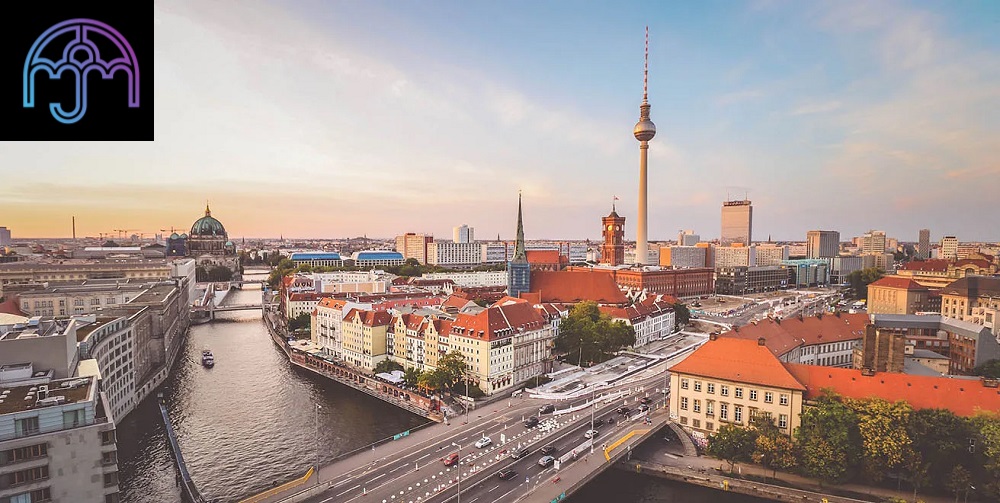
845,116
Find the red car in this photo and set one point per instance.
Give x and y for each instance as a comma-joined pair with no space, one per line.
450,460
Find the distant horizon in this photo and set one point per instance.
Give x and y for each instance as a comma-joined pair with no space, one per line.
826,114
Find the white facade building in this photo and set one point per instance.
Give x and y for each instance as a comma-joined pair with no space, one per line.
770,254
111,342
735,256
472,278
464,234
452,254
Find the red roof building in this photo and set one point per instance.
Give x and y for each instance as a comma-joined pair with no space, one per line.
898,295
814,340
571,287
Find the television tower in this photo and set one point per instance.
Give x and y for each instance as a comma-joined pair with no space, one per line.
644,131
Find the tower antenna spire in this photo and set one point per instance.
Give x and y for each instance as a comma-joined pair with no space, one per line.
645,70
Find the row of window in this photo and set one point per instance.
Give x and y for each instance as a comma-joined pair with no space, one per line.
737,390
710,426
21,477
21,454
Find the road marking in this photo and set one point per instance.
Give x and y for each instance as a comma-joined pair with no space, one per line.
376,478
501,498
342,482
328,499
400,467
424,456
491,490
349,490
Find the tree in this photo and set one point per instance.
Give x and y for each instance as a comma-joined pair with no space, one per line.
591,334
941,438
987,425
828,439
917,470
452,367
301,321
859,280
989,368
411,376
884,439
774,452
682,315
386,366
958,480
732,444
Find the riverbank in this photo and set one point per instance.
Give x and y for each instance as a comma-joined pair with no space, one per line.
428,407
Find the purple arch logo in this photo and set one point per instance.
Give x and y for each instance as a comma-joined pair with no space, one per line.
84,31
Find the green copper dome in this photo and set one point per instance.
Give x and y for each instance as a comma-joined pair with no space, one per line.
208,226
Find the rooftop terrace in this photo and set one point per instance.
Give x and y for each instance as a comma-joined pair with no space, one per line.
23,398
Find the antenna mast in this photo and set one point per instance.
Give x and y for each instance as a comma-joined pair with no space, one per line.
645,70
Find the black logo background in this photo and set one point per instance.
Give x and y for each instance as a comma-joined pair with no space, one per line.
108,116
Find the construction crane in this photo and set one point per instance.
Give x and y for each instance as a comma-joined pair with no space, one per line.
172,229
121,232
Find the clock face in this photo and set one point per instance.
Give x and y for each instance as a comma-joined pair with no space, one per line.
611,227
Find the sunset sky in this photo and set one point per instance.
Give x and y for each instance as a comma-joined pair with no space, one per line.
333,119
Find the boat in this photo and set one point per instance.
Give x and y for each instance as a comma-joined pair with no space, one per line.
207,359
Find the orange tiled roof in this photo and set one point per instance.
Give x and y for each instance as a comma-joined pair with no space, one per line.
576,286
978,262
369,318
930,265
457,301
333,303
507,299
737,360
964,397
498,322
542,256
11,306
898,282
791,333
532,297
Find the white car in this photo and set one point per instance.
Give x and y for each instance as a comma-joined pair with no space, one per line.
483,442
590,434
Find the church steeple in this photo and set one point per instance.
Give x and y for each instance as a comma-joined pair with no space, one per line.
519,254
208,211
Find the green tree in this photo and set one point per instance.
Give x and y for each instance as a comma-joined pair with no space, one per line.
733,444
452,367
917,471
682,315
592,335
859,281
828,440
411,376
987,425
989,368
958,481
301,321
941,438
386,366
884,440
774,452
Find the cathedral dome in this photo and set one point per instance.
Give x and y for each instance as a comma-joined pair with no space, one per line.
208,226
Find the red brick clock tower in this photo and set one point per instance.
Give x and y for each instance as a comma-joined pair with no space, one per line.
613,249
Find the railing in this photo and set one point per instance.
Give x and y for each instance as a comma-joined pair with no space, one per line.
187,485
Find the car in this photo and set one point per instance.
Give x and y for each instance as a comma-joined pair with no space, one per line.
590,434
506,474
643,408
451,460
598,422
548,449
624,411
519,453
547,409
646,400
531,422
484,442
546,461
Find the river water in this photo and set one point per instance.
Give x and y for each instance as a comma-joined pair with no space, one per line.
251,421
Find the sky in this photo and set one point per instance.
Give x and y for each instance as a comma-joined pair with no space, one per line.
332,119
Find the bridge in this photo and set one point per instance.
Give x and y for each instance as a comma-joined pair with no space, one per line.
409,467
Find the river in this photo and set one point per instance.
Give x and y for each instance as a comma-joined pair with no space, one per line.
249,421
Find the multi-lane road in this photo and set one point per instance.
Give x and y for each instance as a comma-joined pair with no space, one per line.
417,473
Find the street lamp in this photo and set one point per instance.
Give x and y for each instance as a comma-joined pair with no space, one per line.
593,405
316,434
579,363
466,398
458,465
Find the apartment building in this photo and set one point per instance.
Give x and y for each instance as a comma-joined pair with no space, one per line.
652,319
16,273
57,441
770,255
471,279
822,244
365,337
454,254
898,295
79,297
412,245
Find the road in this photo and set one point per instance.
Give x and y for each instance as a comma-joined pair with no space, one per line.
407,474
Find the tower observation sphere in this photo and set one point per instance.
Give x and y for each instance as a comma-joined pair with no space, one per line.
644,130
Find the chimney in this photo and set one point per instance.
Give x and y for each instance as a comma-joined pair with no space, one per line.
761,341
991,382
867,372
713,337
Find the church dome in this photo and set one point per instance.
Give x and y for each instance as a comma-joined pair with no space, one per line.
208,226
175,236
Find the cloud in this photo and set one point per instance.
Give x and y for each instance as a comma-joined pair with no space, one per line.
738,97
816,108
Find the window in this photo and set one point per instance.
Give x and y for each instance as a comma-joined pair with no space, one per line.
109,458
12,456
696,423
711,387
110,479
26,426
709,426
753,413
783,421
768,397
753,394
738,413
783,399
724,411
724,390
684,403
739,392
684,420
112,498
697,385
24,477
709,408
108,437
39,495
72,418
697,406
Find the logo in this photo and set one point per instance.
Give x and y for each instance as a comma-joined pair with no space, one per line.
80,56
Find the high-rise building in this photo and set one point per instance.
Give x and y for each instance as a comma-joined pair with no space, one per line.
770,254
613,228
5,236
644,131
412,245
687,238
737,222
518,269
949,248
464,234
822,244
924,244
873,243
